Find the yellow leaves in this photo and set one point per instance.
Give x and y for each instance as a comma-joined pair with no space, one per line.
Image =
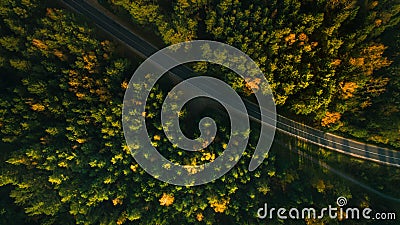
371,57
219,205
208,157
182,113
365,203
191,169
98,164
43,140
124,85
37,107
107,46
108,180
365,104
90,61
271,173
378,22
117,201
166,199
126,149
55,180
336,62
356,61
121,221
312,221
81,140
205,144
348,89
59,55
336,3
307,48
374,60
314,44
122,218
39,44
157,137
117,158
342,216
101,91
131,216
25,125
184,4
51,13
373,4
199,217
252,84
63,164
134,167
379,139
22,65
303,41
321,186
72,72
264,189
377,86
167,166
80,95
303,37
105,43
291,38
238,85
19,161
330,118
73,83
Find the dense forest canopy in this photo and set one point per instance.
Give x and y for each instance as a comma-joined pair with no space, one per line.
326,59
63,154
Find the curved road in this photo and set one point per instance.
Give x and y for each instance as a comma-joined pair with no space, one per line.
283,124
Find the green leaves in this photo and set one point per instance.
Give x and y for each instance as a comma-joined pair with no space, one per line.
61,97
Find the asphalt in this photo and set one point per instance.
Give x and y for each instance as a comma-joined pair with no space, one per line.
301,131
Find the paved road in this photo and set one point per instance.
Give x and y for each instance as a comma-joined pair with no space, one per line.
283,124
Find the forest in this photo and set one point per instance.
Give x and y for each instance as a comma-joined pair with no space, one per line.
333,64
